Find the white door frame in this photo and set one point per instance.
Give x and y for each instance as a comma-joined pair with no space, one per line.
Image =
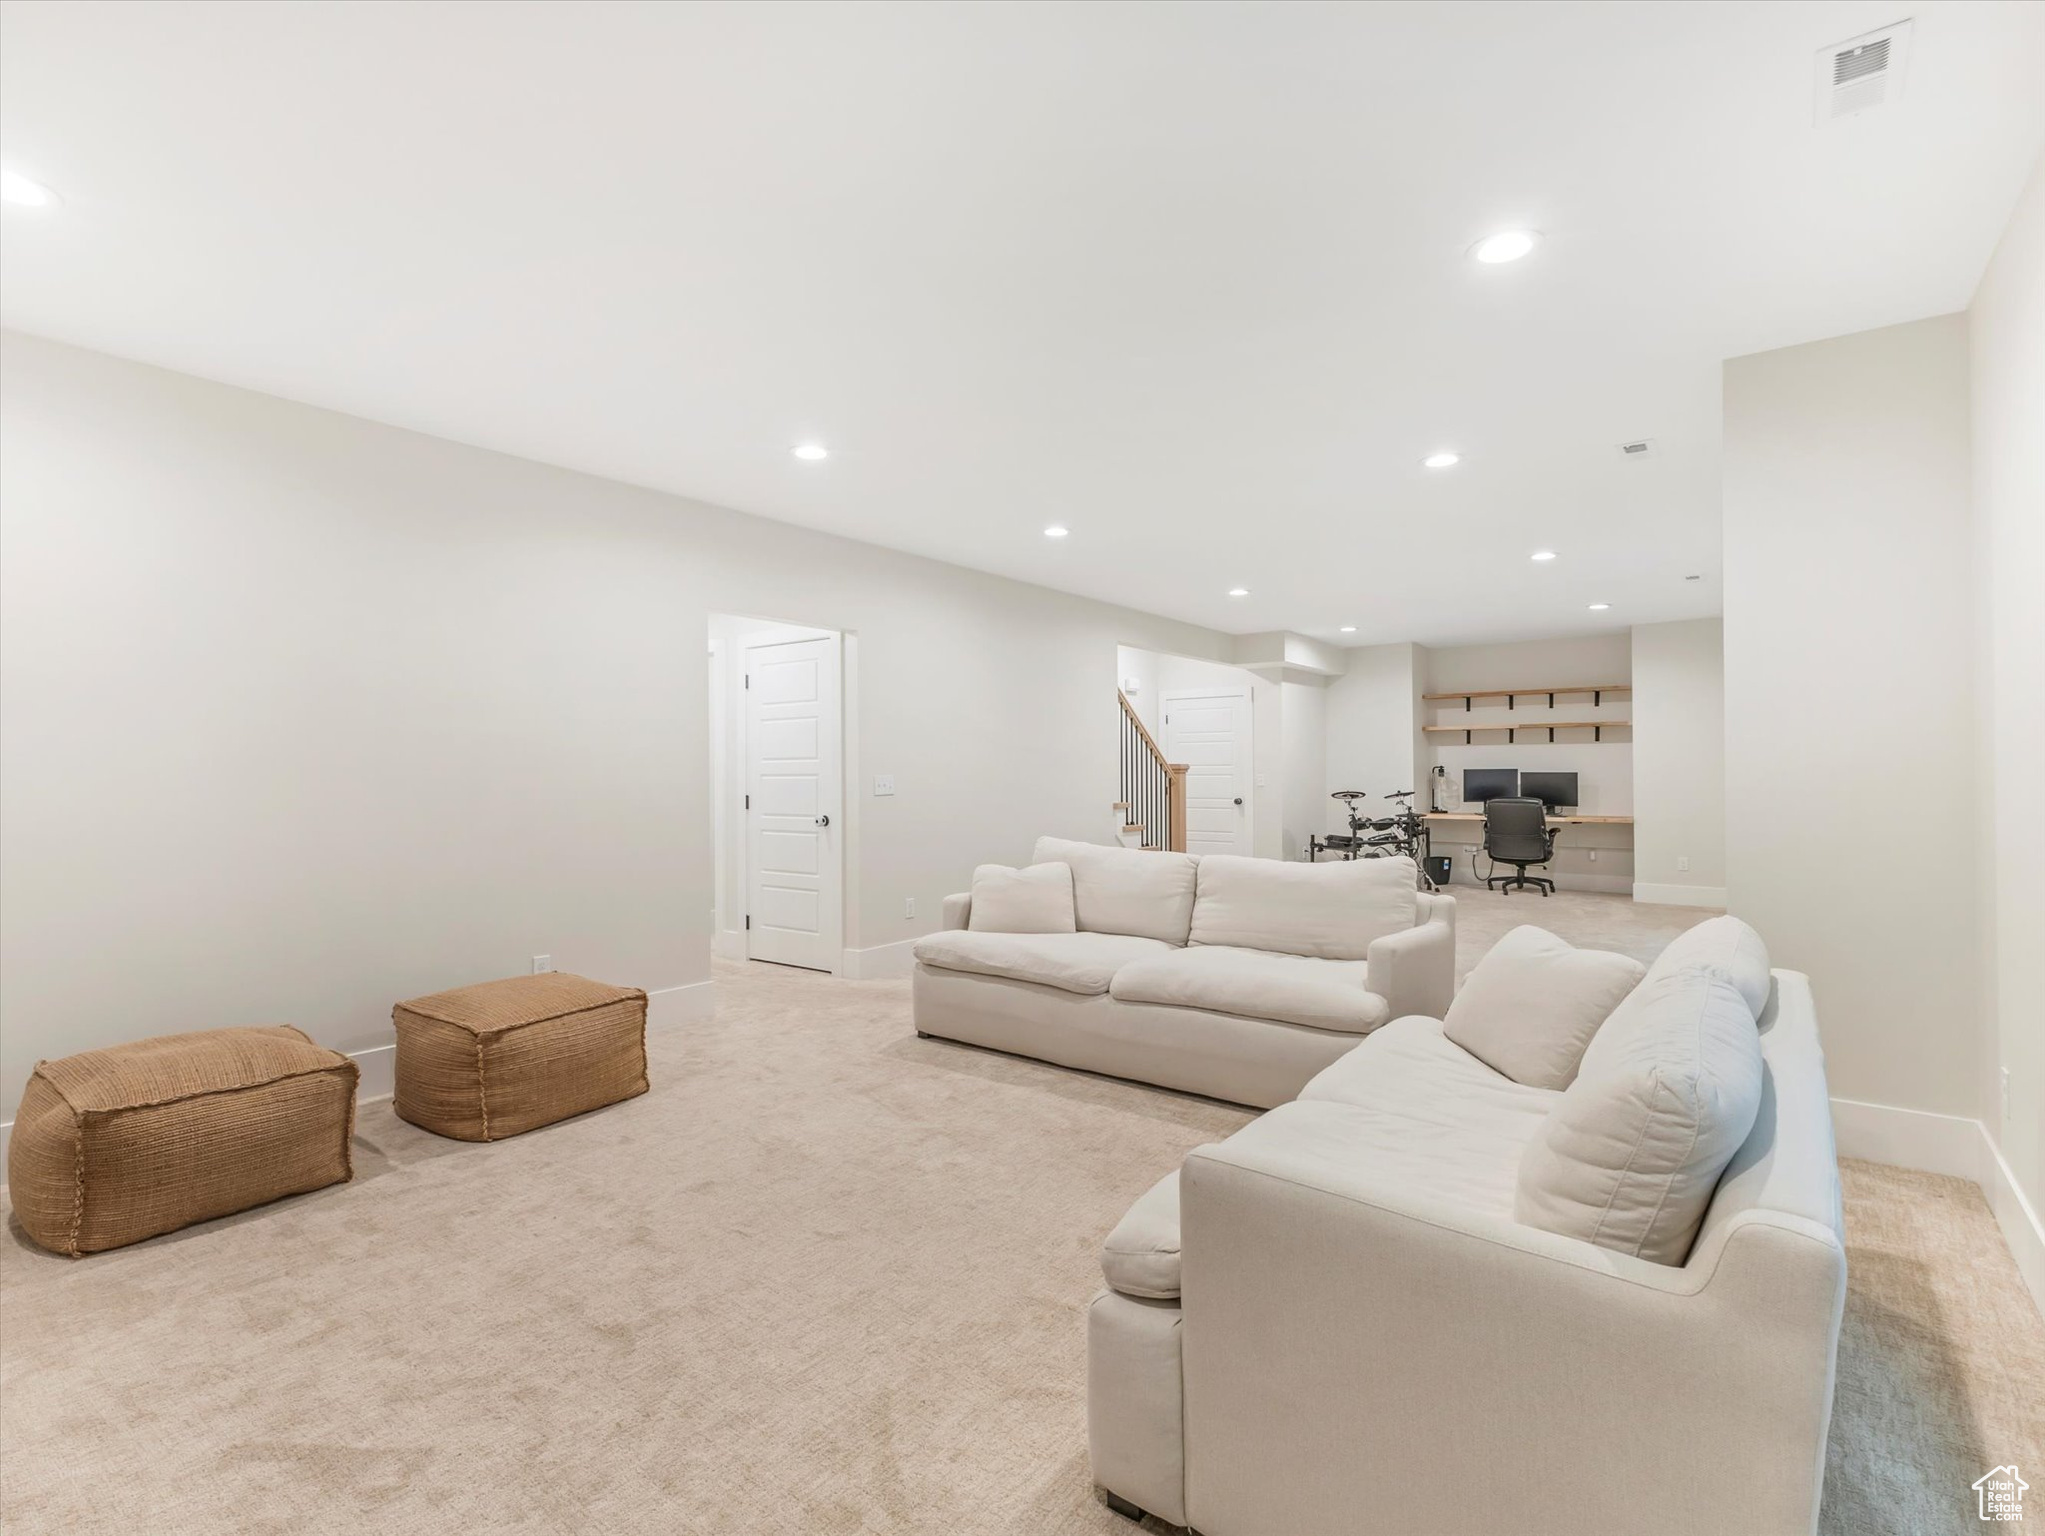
731,636
1246,750
832,799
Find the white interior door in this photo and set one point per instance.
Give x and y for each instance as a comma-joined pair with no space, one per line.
794,807
1208,729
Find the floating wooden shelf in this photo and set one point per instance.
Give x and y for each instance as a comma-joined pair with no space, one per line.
1596,727
1597,691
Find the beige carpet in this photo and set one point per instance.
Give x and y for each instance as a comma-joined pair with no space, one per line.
825,1278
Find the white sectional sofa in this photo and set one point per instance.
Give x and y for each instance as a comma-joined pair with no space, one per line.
1426,1296
1235,978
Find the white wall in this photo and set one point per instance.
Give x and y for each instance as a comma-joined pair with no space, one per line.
1373,729
305,715
1678,712
1303,719
1849,597
2006,328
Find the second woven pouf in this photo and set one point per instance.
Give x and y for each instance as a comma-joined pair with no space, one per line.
485,1062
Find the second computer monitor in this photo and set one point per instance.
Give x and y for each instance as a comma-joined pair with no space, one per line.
1554,790
1481,784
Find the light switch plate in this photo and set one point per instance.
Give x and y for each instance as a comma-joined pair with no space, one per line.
884,784
542,963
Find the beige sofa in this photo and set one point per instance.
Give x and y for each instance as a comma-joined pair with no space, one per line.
1235,978
1336,1321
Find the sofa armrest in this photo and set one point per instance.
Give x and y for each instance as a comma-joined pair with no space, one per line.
958,910
1351,1344
1415,970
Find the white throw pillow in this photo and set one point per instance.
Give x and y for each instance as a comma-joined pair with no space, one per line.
1630,1154
1330,911
1033,900
1723,943
1145,893
1533,1003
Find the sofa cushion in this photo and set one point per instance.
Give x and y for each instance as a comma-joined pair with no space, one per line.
1331,911
1722,943
1141,1256
1729,944
1072,962
1147,893
1418,1115
1033,900
1321,994
1439,1119
1533,1003
1634,1147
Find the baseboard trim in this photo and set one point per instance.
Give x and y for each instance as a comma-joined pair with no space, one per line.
379,1066
729,944
1680,895
882,962
1910,1138
689,1004
1959,1148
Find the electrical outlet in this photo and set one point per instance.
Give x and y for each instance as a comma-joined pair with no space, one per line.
542,963
909,907
2005,1095
1594,855
884,784
1683,864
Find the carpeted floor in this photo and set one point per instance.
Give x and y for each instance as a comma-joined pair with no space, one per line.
825,1278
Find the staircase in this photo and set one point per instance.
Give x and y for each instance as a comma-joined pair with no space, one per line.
1153,804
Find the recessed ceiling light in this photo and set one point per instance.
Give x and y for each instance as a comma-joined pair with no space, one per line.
1348,629
1441,460
1599,607
809,453
1056,531
1542,554
1238,591
17,188
1506,245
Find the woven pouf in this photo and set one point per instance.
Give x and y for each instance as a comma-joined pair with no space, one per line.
113,1146
485,1062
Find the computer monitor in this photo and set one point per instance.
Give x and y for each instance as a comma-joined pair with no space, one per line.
1554,790
1481,784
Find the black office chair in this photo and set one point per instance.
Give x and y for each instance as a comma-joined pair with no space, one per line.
1516,832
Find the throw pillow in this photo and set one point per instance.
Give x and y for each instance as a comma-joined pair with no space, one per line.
1033,900
1630,1155
1534,1002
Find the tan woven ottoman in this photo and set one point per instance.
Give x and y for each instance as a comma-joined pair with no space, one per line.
485,1062
117,1145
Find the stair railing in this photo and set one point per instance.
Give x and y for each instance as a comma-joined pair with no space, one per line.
1153,790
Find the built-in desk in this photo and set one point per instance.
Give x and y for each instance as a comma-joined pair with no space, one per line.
1553,821
1592,853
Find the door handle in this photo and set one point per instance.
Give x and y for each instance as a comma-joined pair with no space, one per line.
1239,799
823,821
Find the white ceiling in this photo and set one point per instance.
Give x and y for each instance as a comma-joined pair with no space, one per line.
1188,278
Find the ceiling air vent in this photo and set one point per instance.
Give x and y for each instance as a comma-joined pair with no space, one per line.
1861,73
1639,448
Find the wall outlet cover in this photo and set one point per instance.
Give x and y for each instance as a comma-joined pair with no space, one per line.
909,907
542,963
884,784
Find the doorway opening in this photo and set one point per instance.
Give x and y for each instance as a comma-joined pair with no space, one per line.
777,796
1205,714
